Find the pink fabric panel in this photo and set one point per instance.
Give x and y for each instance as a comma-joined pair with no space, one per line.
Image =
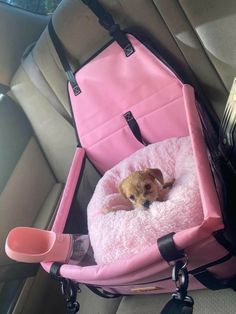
164,287
112,70
111,85
143,267
108,152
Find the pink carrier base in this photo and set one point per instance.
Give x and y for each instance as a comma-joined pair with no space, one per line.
163,107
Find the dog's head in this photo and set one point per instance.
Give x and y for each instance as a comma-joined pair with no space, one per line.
141,187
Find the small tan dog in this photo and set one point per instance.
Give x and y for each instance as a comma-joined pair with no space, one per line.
142,188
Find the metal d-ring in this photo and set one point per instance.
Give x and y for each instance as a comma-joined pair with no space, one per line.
185,261
180,276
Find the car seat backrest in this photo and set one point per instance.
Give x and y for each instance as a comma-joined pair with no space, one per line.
204,32
28,189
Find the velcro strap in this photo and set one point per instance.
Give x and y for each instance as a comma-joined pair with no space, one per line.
55,270
168,249
63,59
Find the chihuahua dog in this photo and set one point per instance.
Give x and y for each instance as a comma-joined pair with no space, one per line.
142,188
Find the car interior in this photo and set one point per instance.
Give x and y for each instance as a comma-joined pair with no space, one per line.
37,136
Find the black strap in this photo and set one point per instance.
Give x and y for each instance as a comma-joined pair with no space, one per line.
68,288
132,123
55,270
62,56
168,249
207,279
221,238
102,293
180,302
106,20
175,306
104,17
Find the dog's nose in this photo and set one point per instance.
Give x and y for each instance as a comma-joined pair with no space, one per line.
146,204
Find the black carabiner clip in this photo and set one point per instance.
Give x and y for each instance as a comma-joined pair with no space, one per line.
69,289
181,278
180,302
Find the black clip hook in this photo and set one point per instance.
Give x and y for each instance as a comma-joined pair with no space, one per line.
181,278
180,302
69,289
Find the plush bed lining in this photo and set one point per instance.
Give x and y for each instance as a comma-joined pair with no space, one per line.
125,232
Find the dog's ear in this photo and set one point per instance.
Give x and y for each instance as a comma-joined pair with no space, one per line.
156,173
121,190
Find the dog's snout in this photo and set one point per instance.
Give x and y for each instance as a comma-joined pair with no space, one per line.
146,204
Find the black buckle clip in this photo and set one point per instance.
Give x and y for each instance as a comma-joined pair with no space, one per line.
69,289
129,50
121,38
75,87
76,90
128,116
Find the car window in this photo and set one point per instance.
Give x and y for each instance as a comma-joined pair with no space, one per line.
45,7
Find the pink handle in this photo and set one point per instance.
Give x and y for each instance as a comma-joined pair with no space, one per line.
33,245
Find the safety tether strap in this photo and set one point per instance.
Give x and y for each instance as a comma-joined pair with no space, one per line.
68,288
106,20
62,56
180,302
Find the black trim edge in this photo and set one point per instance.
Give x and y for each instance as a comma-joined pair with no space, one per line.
102,293
221,239
207,279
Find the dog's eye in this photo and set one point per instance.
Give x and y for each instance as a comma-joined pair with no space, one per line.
132,198
147,187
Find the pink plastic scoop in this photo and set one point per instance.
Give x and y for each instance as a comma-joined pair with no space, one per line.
33,245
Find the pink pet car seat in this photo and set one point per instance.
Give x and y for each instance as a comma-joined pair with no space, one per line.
123,99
